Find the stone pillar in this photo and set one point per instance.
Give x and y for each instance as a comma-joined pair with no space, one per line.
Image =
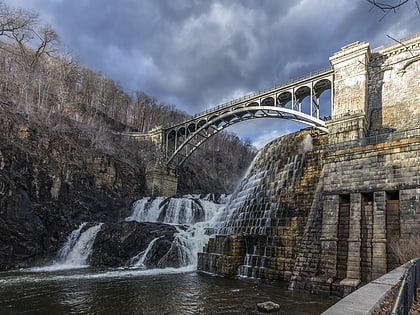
349,112
161,181
329,237
354,245
379,255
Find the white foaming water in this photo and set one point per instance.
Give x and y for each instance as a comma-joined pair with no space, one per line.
191,211
254,207
76,251
138,260
82,249
71,241
93,274
186,210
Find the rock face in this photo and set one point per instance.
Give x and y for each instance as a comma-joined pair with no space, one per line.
117,243
51,181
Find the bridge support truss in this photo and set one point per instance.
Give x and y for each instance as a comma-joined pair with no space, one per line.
283,101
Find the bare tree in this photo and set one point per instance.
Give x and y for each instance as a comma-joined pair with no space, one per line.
391,5
30,43
14,20
22,28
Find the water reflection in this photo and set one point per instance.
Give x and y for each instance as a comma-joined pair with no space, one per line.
89,291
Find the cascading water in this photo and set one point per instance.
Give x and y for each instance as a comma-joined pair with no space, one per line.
138,260
190,212
188,216
71,241
258,232
76,251
257,211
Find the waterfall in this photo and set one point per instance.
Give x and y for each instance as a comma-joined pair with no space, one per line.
254,205
138,260
258,231
71,241
78,247
191,211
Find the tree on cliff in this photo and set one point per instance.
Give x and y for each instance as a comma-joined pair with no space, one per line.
38,78
29,43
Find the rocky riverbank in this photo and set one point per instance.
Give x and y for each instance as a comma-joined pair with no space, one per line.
52,179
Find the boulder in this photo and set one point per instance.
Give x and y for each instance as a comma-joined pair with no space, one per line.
268,307
117,244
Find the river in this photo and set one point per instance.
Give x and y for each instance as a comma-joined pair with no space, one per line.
70,286
128,291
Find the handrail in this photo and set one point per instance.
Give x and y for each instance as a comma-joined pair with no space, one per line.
410,281
249,96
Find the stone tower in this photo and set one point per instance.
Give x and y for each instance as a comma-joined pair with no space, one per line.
350,94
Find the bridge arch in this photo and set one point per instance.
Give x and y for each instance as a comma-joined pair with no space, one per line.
284,101
189,142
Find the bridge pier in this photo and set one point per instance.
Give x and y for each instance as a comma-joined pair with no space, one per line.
161,181
350,101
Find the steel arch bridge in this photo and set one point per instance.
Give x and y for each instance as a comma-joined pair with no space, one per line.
283,101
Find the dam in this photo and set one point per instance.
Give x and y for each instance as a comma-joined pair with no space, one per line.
324,210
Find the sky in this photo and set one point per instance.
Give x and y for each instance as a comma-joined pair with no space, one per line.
197,54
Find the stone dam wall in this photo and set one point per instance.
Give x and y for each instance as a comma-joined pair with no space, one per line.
271,207
326,218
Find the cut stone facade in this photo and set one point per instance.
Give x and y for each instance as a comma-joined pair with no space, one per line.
367,194
161,181
370,184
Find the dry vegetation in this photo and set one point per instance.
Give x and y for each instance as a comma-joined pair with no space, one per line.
406,250
39,79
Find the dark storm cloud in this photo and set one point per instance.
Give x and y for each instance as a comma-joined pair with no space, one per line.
197,54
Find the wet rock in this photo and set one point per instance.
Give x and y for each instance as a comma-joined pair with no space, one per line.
50,182
116,244
268,307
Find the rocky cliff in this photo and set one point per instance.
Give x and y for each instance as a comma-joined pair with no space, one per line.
51,179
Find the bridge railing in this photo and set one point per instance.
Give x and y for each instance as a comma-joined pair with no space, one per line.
249,96
408,289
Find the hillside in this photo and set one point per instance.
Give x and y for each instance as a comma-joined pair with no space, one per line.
62,161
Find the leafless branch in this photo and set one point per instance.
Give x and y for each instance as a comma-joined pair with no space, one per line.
387,6
390,6
399,42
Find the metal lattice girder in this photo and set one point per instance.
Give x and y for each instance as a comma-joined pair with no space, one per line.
284,101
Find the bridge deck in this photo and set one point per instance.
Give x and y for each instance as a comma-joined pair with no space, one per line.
260,94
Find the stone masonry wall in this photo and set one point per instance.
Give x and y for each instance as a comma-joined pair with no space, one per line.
379,185
394,81
269,212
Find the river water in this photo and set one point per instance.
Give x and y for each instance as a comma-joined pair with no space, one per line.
70,286
128,291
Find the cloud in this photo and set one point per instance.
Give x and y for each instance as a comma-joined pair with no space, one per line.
198,54
266,138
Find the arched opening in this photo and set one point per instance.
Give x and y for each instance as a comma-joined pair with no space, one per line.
269,101
303,102
252,104
285,99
